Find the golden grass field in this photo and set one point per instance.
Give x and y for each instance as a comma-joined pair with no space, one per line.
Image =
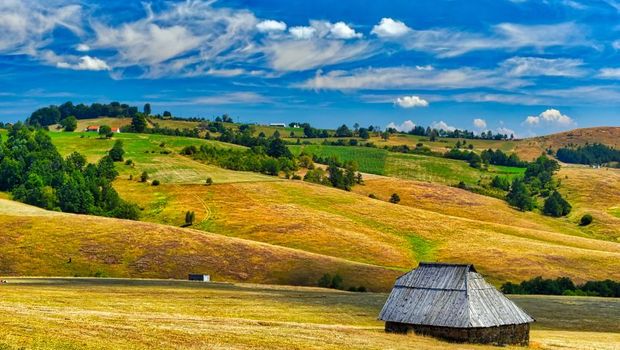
451,225
42,243
148,314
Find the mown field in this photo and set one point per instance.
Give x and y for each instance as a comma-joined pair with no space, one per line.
408,166
147,314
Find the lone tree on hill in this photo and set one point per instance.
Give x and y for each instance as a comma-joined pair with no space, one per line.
147,109
189,218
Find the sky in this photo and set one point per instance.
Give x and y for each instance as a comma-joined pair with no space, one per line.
521,67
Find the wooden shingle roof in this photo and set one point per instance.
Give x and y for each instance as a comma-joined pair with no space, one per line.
449,295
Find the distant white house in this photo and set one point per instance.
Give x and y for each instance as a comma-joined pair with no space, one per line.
278,125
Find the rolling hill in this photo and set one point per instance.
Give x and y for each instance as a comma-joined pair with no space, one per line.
36,242
321,224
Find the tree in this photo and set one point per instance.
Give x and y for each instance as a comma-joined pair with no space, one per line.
147,109
144,176
209,181
189,218
277,148
117,151
138,123
69,123
519,196
344,131
74,196
105,131
106,169
325,281
556,205
167,114
395,198
363,133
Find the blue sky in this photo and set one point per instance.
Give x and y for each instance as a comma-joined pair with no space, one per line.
522,66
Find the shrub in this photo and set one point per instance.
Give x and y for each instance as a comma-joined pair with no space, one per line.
209,181
144,176
372,195
155,183
325,281
586,220
296,177
395,198
129,162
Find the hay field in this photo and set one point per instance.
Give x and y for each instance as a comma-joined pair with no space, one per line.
147,314
36,242
353,227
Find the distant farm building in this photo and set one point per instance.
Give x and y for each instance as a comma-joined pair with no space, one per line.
278,125
455,303
92,128
199,277
116,130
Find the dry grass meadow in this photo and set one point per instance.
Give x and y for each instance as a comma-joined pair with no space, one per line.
147,314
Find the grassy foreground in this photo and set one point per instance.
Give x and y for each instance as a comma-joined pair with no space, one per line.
148,314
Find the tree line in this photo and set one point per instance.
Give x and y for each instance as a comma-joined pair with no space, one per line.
33,171
563,286
55,114
591,154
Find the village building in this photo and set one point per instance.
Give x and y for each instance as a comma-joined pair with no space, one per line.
92,128
278,125
455,303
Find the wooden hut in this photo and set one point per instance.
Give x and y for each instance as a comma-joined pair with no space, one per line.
455,303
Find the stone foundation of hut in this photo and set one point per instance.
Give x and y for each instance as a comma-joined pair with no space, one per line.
518,334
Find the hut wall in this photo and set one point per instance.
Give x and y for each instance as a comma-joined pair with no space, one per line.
501,335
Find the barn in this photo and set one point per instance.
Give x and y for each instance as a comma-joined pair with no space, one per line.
454,302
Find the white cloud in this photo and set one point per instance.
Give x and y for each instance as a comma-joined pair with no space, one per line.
82,48
410,78
324,29
341,30
26,26
505,131
85,63
549,117
480,123
445,42
389,28
299,55
302,33
535,66
616,44
410,102
609,73
405,126
185,38
441,125
271,26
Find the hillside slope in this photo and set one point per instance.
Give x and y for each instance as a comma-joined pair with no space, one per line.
533,147
347,225
41,243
